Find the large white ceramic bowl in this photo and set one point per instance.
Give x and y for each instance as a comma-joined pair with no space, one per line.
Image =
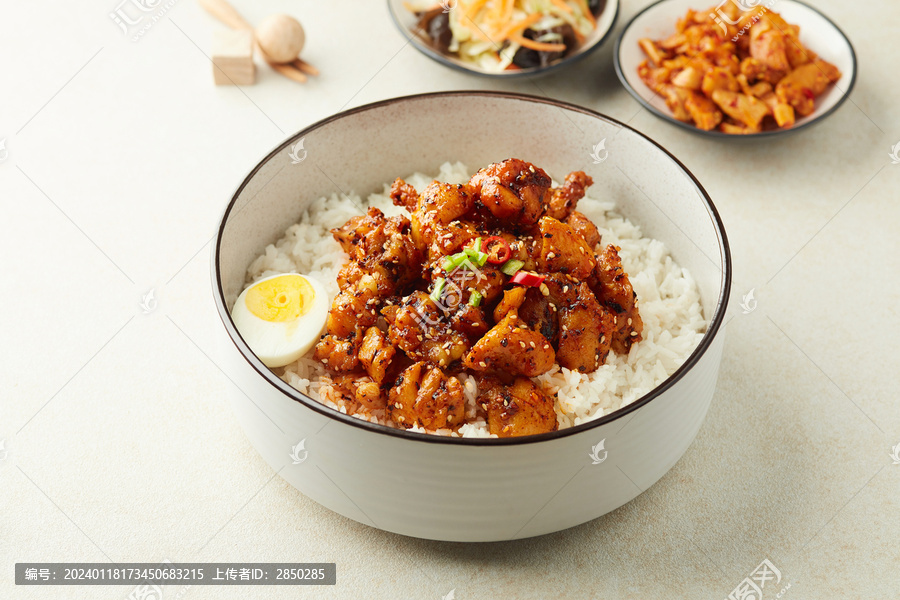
817,32
458,488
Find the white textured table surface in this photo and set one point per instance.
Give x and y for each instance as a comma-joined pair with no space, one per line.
119,445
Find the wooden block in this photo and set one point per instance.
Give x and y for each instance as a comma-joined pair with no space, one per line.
232,58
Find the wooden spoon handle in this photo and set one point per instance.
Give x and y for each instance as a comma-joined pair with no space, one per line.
304,66
288,71
226,13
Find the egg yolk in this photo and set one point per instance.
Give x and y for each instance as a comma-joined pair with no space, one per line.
280,299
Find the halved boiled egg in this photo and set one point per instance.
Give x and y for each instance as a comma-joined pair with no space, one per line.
281,317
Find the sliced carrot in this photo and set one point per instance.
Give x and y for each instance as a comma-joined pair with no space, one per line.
513,28
587,12
476,7
562,5
539,46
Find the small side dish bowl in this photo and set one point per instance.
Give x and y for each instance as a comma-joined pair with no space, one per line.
471,489
817,32
407,23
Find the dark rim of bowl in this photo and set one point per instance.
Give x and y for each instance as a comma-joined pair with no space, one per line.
712,330
447,62
617,64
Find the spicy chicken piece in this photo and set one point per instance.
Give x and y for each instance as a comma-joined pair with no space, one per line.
438,205
361,389
513,191
801,86
375,354
512,300
746,109
470,321
584,227
563,250
540,313
563,199
511,347
404,194
350,310
351,233
424,333
487,280
585,331
520,408
424,396
382,248
340,354
613,290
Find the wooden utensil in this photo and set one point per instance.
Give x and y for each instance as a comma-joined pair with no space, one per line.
226,13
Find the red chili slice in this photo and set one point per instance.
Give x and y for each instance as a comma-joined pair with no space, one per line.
497,250
527,278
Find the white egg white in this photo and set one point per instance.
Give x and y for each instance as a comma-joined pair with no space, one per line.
280,343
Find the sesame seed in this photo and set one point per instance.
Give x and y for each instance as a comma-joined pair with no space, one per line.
531,344
629,321
482,364
602,338
565,289
546,346
551,255
522,344
634,333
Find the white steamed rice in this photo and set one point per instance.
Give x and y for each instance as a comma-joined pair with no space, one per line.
669,304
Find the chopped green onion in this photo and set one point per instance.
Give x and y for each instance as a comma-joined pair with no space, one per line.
438,289
477,245
475,298
477,256
511,266
453,261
